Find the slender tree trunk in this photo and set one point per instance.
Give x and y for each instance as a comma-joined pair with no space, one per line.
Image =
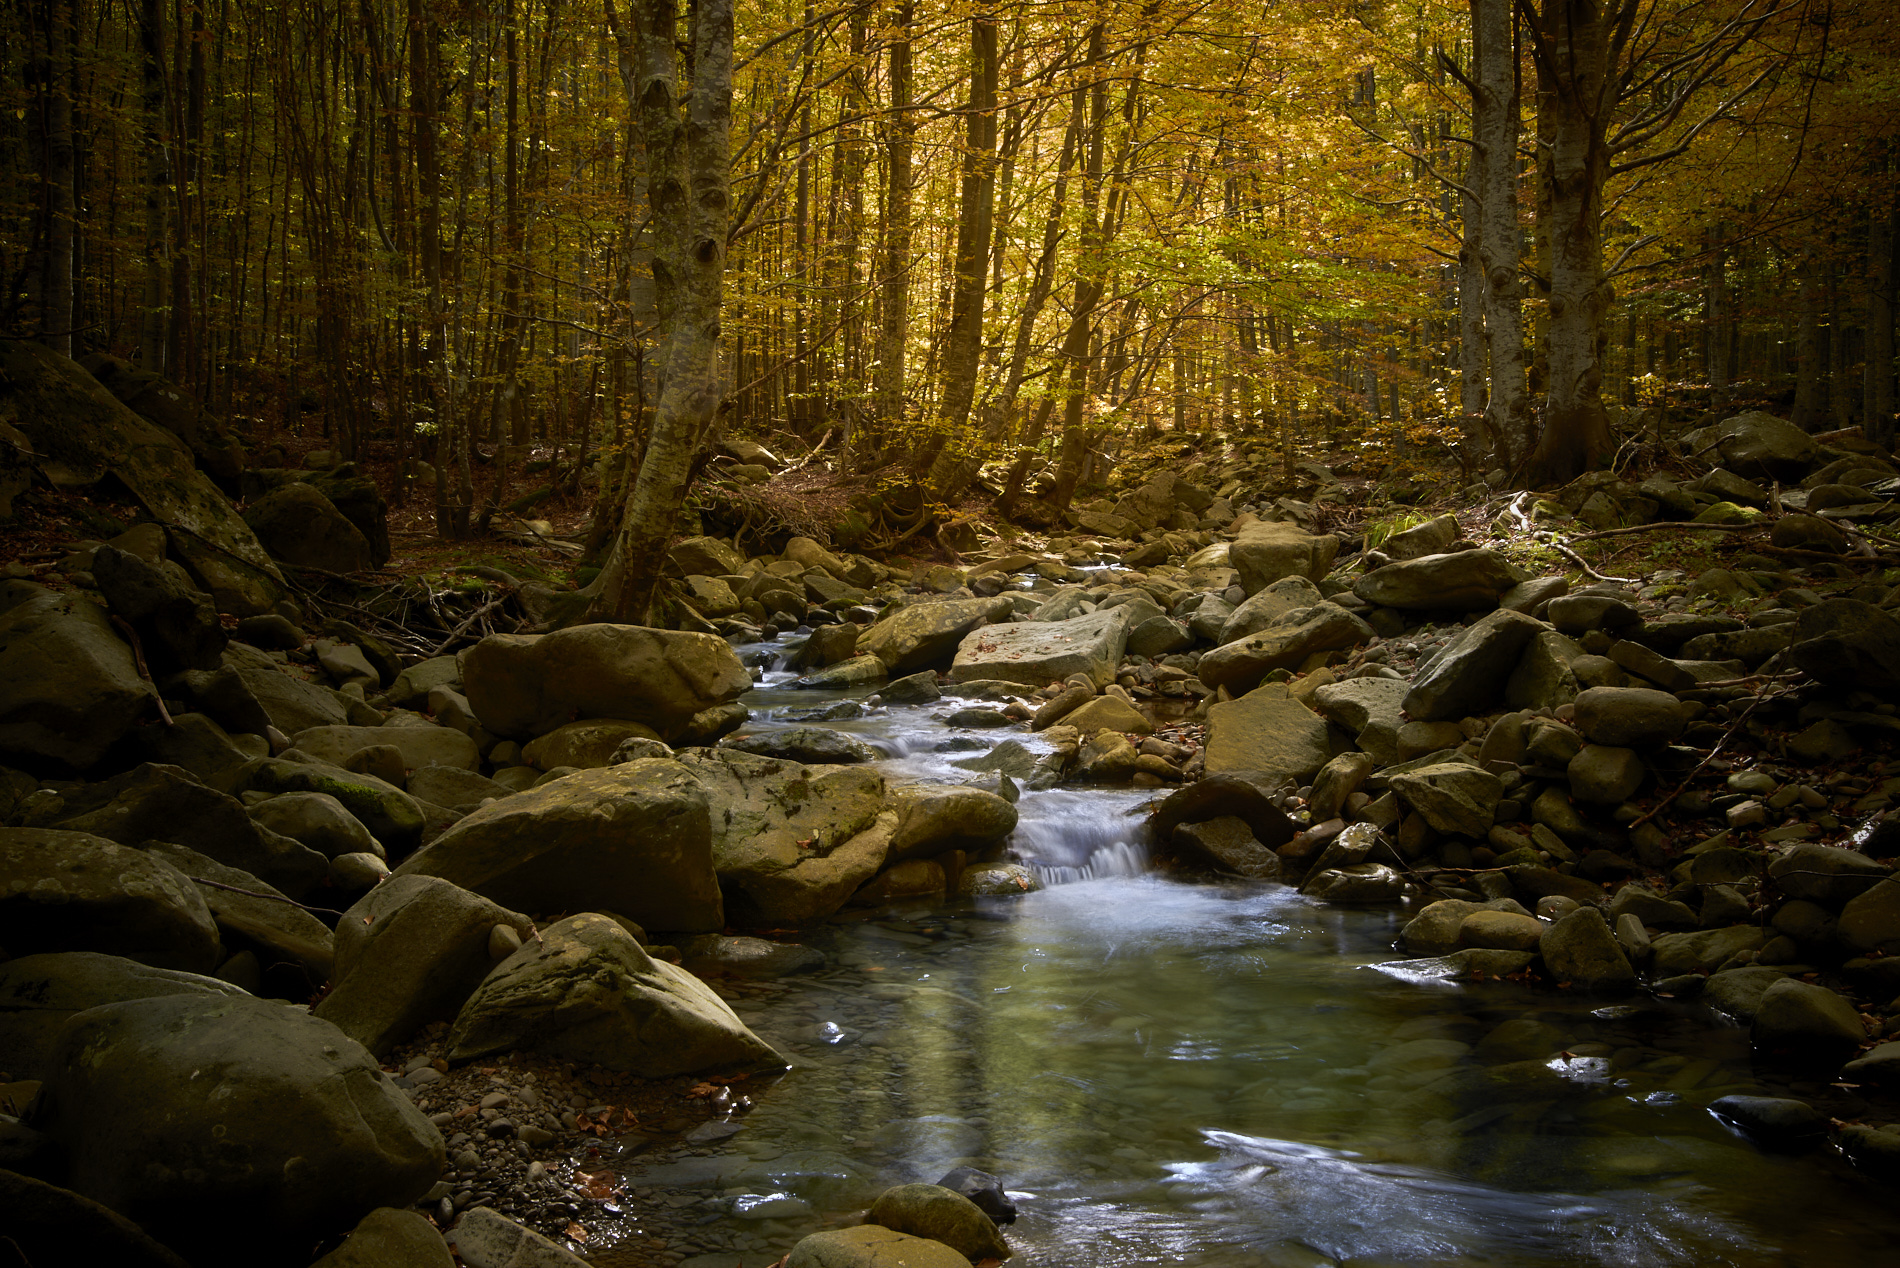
1877,395
49,71
1495,123
688,171
1810,385
154,325
1720,376
894,267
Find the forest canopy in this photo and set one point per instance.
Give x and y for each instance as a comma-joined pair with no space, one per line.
959,242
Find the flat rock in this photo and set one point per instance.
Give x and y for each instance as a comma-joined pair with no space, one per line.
1239,666
39,992
812,745
70,891
930,635
1464,581
1468,676
1035,653
1263,553
1274,735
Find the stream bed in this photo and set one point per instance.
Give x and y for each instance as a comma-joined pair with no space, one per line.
1225,1075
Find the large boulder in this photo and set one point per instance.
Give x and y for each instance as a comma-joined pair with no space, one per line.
1581,950
1265,731
419,745
1038,652
392,816
1810,1023
1453,797
942,1215
292,704
1468,675
1463,581
411,951
1263,553
790,842
218,453
319,821
633,839
872,1246
167,803
38,993
1370,709
1264,609
525,685
67,891
252,914
300,526
358,500
1826,874
586,991
932,818
928,635
234,1129
1325,627
69,688
87,434
1757,445
1850,644
177,623
50,1225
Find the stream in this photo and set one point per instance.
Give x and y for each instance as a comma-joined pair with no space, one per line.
1232,1076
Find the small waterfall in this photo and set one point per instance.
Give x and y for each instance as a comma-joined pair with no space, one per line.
891,745
1074,836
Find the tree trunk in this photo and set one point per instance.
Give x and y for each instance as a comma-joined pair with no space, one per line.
1720,376
1877,396
894,268
1495,127
688,171
50,74
153,324
1574,59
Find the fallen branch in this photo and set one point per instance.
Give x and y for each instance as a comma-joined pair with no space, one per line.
1761,696
138,659
473,617
275,898
1683,524
1588,571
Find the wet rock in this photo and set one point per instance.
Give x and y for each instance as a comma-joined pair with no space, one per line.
983,1189
1274,735
38,993
1228,845
68,686
929,635
1359,883
528,685
1811,1023
485,1238
1219,795
1501,931
411,951
70,891
1035,653
1108,712
1239,666
997,880
933,818
1628,717
1581,950
586,991
812,745
942,1215
872,1246
634,838
1438,928
753,958
231,1127
1468,580
1773,1119
1879,1064
1467,677
1738,992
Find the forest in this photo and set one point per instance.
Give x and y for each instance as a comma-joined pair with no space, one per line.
959,247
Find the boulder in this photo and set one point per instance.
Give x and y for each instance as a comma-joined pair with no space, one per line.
1871,922
933,818
1035,653
1453,797
790,842
1849,643
66,414
583,745
411,951
358,500
317,821
165,803
1703,952
1429,538
1106,712
38,993
1371,709
1220,795
1468,676
291,704
1777,1120
1358,883
586,991
846,673
177,622
69,688
1501,931
942,1215
252,914
1464,581
525,685
303,528
1158,636
705,557
1580,949
68,891
1826,874
1226,844
1265,608
1738,992
1239,666
1263,553
929,635
451,786
392,816
812,745
1438,928
1628,717
871,1246
46,1224
1605,775
1758,446
388,1238
419,745
1810,1023
1268,733
235,1129
633,838
485,1238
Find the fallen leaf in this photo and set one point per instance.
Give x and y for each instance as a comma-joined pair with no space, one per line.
576,1232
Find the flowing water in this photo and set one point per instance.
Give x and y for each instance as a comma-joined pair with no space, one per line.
1225,1076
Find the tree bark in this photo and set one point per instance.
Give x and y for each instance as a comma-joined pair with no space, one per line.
1495,126
894,268
1877,396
